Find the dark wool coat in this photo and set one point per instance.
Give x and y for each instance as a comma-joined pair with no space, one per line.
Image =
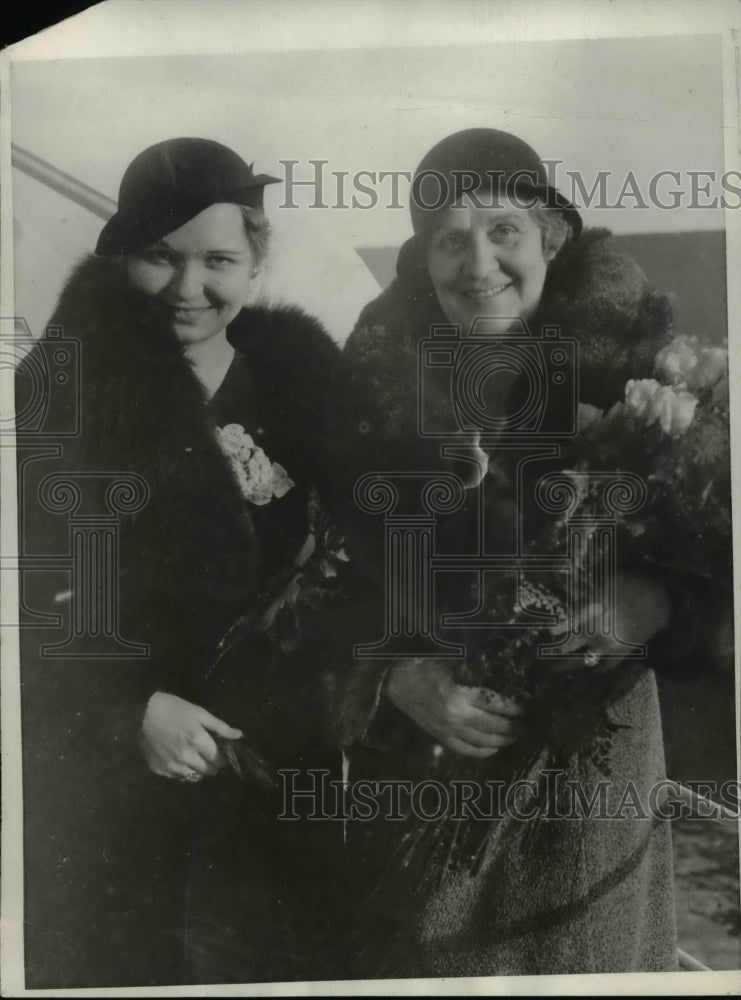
106,839
565,896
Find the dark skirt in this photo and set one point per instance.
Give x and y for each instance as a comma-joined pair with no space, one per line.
263,893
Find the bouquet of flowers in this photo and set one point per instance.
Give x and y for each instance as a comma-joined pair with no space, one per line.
660,461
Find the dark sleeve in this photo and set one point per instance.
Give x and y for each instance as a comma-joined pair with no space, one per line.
72,691
698,638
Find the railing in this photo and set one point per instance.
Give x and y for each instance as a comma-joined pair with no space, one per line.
62,183
689,964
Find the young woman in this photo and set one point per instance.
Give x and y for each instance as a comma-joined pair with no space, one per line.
146,861
494,245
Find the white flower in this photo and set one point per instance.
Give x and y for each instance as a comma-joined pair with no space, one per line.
711,368
673,408
674,362
234,439
639,393
282,482
259,478
684,363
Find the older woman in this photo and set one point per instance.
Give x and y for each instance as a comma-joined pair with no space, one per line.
494,245
210,402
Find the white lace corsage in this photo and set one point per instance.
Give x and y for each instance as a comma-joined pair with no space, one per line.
260,479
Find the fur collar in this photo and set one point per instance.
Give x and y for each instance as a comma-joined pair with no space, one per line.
594,294
191,553
599,296
136,378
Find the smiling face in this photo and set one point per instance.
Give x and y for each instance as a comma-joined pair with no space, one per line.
198,275
486,259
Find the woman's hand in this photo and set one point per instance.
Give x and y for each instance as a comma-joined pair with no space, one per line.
467,720
176,737
641,610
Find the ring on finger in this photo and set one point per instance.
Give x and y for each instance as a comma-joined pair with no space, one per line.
192,777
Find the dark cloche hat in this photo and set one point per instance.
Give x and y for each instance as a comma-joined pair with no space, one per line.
497,159
170,183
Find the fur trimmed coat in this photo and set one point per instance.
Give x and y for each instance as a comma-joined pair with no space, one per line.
106,839
585,896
